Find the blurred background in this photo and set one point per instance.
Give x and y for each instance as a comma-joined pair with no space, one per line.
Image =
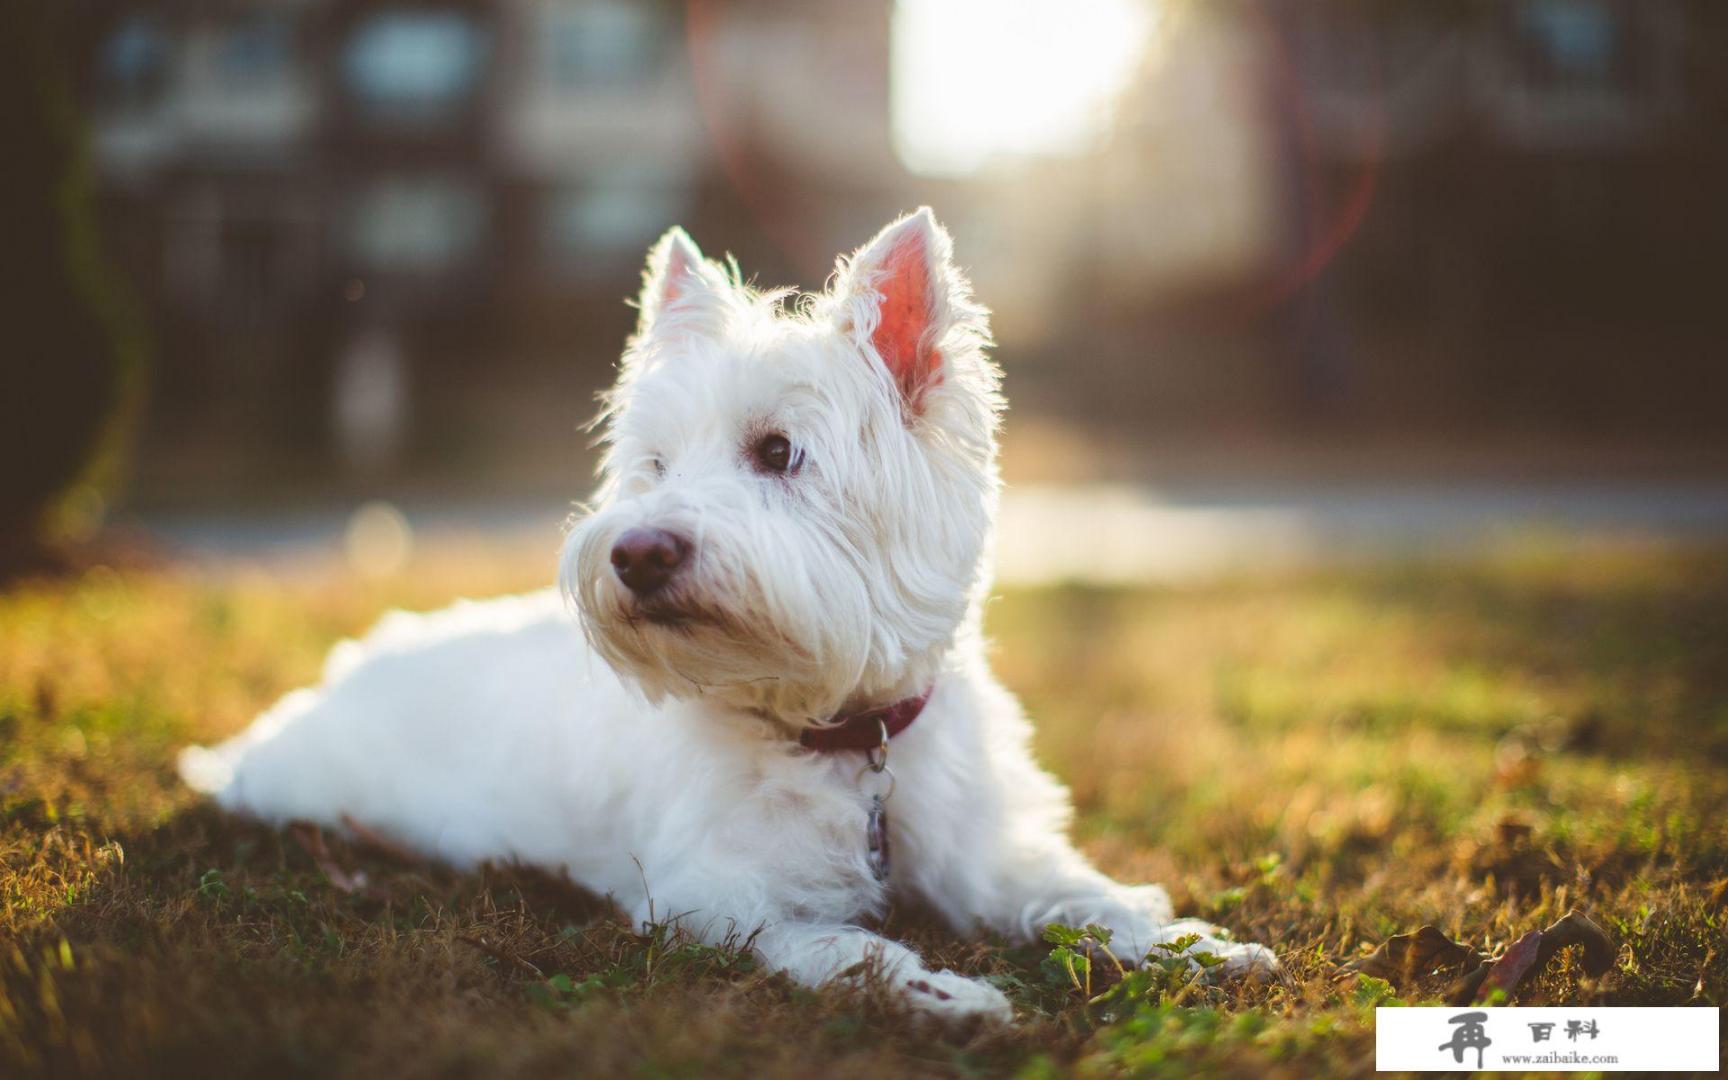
1272,280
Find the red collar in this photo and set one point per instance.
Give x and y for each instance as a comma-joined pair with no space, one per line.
863,730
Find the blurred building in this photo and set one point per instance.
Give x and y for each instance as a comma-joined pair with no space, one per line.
1538,182
1457,216
341,212
404,229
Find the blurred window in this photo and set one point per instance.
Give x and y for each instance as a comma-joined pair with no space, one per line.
597,226
1572,44
254,51
417,224
601,45
1585,72
133,60
425,63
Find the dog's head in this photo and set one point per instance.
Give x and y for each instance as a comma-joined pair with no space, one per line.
796,500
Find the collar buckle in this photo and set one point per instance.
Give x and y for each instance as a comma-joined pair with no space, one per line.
876,758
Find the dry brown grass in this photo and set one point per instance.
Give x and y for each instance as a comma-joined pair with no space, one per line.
1317,761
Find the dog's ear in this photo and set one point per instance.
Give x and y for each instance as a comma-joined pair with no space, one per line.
902,299
679,286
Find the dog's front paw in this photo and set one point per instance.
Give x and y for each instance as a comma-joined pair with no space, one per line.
1242,960
955,997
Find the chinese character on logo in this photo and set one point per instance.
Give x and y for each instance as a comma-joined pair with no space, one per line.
1540,1032
1575,1028
1472,1033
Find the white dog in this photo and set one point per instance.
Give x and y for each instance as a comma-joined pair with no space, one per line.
773,708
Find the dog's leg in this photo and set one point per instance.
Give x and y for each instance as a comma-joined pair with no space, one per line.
1137,916
728,892
1018,897
814,954
1009,864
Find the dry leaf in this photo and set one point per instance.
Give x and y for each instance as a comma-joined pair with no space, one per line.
1577,928
1518,866
1530,954
1508,971
1404,958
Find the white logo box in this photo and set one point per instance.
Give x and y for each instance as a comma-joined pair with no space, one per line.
1562,1039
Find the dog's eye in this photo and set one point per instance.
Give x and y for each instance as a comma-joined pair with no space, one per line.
773,454
658,465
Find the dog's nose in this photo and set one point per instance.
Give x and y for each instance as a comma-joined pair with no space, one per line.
645,559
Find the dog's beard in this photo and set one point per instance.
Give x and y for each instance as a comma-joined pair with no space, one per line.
784,629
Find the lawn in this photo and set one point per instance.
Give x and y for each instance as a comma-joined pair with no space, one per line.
1315,760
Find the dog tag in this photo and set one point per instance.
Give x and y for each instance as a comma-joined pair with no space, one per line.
876,839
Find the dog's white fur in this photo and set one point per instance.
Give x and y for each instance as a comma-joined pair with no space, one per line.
655,760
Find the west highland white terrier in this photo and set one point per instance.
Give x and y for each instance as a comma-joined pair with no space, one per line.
772,708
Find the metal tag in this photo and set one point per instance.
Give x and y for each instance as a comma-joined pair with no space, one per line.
876,839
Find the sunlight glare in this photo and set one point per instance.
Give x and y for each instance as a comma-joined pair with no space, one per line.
979,79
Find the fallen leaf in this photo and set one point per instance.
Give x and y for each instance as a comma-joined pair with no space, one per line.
1577,928
1404,958
1507,972
1509,855
1508,830
1530,954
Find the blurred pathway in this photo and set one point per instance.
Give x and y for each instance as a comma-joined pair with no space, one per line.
1105,534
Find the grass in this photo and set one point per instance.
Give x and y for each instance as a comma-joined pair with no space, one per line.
1316,760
